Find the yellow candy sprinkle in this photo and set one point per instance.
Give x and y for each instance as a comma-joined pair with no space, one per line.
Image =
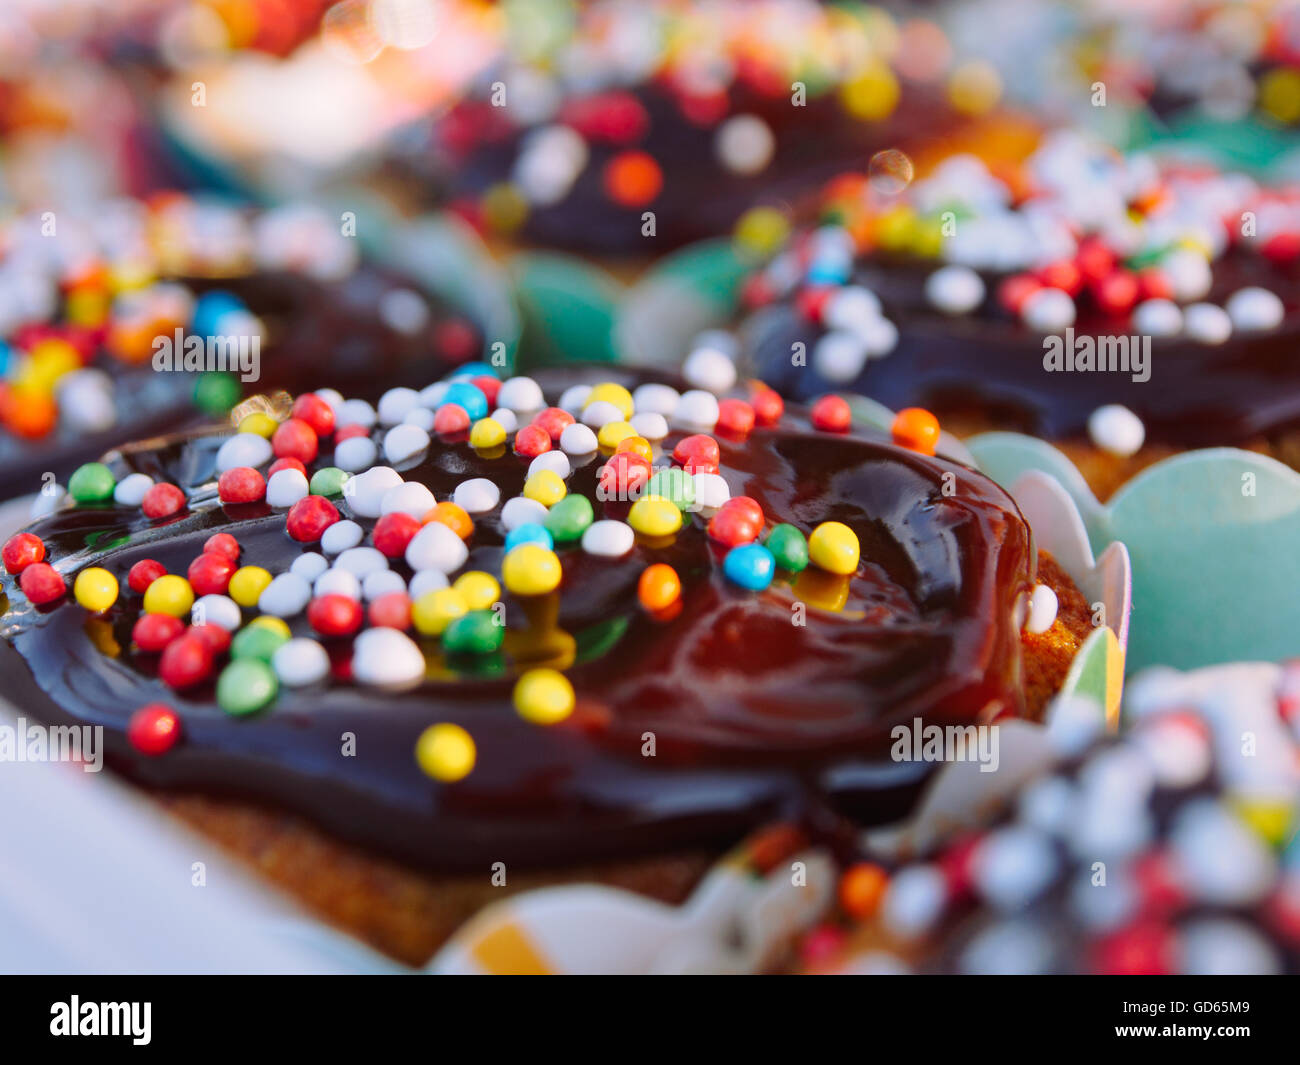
504,208
1279,94
974,87
655,516
48,361
761,231
637,445
530,569
487,433
544,696
434,611
446,752
259,422
248,583
612,432
872,95
169,594
277,625
95,589
833,546
545,486
608,392
480,589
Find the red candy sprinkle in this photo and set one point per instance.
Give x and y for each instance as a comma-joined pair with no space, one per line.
391,611
1013,291
768,404
489,386
243,484
1138,950
286,464
450,418
531,441
41,583
309,518
393,532
153,632
347,432
295,439
1094,258
210,574
213,637
697,454
747,506
222,544
554,421
623,477
735,417
734,526
334,615
162,501
153,729
1063,274
1116,293
313,410
831,414
22,550
1153,284
811,301
185,662
143,574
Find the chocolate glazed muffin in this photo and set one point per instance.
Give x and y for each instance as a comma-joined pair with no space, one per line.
996,304
620,723
95,309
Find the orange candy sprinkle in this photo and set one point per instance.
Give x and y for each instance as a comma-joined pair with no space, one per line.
455,517
659,587
637,445
27,413
633,179
917,429
861,888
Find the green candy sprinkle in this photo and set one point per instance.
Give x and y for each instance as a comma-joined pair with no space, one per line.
328,481
789,547
257,641
245,686
474,633
674,484
92,483
569,518
216,393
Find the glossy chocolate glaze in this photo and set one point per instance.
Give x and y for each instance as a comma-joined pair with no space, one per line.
1197,395
753,716
316,331
700,199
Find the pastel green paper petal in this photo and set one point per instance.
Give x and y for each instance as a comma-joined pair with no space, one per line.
1005,456
691,290
1097,673
1251,143
568,308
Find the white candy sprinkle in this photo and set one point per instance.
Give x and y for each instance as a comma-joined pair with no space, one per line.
522,395
574,398
710,369
1188,274
914,900
600,413
386,658
286,595
355,454
310,565
431,395
880,336
954,289
711,490
577,439
300,662
285,487
655,399
335,581
403,311
1049,310
1254,309
436,547
47,502
334,398
427,580
404,442
744,144
1224,946
218,610
1207,324
1117,430
478,495
243,449
696,409
421,416
851,307
340,536
505,418
520,511
649,424
409,497
1013,866
364,493
839,357
131,489
1158,318
555,461
361,561
356,412
1221,859
381,582
1042,610
612,539
395,404
86,400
